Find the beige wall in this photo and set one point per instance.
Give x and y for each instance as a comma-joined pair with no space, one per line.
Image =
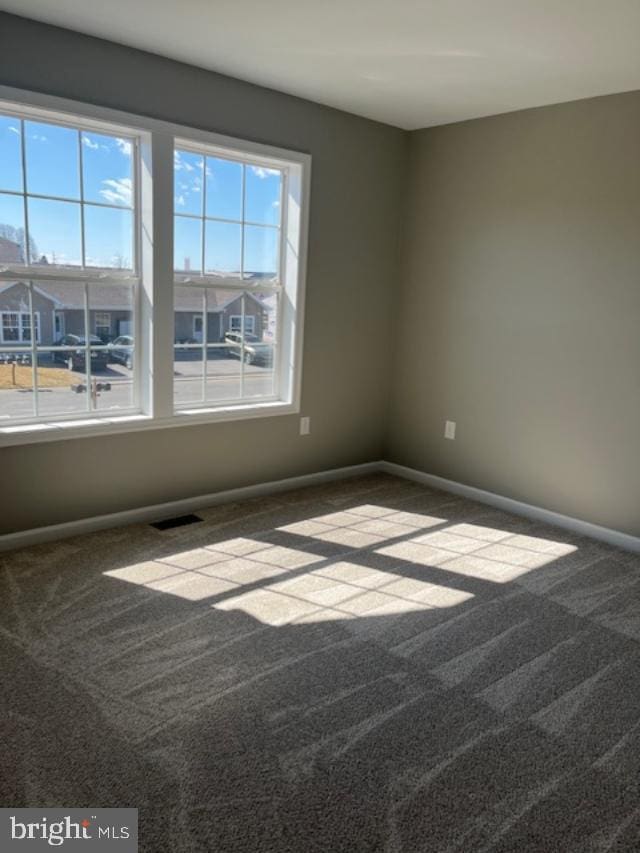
356,185
520,308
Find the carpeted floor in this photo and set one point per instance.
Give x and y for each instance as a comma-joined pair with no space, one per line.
369,665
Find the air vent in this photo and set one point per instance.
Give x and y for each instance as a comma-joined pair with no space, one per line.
179,521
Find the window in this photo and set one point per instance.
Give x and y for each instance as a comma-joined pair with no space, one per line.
16,326
103,325
230,275
235,323
67,195
68,226
58,325
87,242
10,327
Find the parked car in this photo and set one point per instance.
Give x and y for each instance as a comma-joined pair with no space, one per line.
255,350
121,351
74,352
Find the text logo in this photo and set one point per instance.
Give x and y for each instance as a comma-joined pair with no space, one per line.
105,830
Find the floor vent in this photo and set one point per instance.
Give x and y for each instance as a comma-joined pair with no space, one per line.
179,521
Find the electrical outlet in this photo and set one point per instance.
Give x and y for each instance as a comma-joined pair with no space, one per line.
450,429
305,426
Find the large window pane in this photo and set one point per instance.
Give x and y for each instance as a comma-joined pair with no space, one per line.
12,234
10,154
238,364
262,195
224,189
223,242
108,237
52,160
187,245
188,182
54,228
107,167
261,251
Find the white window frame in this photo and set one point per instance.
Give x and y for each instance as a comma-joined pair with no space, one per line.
153,326
17,326
284,286
20,326
247,324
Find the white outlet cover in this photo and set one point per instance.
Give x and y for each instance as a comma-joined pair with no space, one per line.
450,430
305,426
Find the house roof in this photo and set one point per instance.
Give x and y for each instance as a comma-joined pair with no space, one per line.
116,297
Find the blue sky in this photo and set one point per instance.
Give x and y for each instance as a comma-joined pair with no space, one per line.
59,161
52,156
223,201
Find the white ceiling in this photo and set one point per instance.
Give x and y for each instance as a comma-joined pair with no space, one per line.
411,63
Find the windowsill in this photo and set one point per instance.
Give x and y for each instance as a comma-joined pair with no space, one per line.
35,433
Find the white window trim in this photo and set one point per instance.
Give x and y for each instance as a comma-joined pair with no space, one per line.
155,266
20,327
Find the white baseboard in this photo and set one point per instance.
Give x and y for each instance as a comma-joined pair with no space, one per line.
585,528
158,512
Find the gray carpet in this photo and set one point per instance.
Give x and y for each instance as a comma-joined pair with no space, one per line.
369,665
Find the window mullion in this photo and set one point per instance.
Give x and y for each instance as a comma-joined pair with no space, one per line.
23,152
158,291
81,179
242,347
205,349
87,347
34,351
203,211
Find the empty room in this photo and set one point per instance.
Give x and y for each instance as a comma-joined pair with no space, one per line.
320,426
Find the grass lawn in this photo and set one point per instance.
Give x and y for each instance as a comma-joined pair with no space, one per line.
20,376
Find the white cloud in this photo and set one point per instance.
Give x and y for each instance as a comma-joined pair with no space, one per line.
117,191
180,201
179,164
38,137
90,143
262,172
124,146
14,130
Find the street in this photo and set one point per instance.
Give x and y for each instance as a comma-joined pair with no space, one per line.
223,383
